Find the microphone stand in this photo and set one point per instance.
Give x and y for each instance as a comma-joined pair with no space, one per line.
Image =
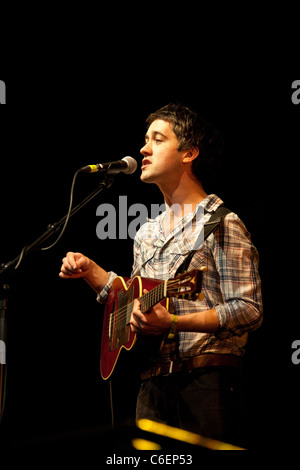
6,269
3,341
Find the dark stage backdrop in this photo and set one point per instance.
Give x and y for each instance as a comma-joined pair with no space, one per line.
54,326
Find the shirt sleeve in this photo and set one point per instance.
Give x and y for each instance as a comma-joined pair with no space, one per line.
103,294
237,262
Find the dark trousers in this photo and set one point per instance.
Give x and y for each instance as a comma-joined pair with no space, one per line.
206,401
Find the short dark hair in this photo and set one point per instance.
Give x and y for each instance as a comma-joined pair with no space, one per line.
191,131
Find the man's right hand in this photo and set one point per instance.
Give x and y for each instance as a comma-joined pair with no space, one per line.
75,265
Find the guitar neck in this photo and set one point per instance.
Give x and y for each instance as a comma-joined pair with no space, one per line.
147,301
153,297
186,285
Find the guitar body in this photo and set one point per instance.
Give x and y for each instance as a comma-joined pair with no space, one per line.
117,335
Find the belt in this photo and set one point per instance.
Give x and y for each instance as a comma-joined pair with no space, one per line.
206,360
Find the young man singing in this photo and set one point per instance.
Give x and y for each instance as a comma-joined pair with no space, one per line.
195,383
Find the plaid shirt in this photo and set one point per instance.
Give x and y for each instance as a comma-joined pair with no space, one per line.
231,284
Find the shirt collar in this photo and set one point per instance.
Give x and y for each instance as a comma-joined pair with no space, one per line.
211,203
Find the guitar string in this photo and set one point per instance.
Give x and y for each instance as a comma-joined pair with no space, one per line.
122,312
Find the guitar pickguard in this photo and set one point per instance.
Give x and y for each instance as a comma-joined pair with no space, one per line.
119,324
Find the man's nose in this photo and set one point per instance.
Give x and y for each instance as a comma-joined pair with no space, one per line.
146,150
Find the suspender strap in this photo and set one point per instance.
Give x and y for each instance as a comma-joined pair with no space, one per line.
210,226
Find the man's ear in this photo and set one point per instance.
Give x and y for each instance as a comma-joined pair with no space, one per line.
190,155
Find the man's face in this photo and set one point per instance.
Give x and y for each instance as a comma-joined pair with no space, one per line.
162,162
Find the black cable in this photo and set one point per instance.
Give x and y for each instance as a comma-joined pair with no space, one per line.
68,215
111,405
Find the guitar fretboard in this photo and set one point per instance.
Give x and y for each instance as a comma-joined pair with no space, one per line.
148,300
152,297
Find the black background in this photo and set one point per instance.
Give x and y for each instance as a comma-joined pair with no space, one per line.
85,111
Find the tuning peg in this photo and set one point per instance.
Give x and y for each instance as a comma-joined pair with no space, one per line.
203,269
201,296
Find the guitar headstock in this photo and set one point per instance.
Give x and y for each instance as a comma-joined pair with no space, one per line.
187,285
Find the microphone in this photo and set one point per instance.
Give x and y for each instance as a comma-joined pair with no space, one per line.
127,165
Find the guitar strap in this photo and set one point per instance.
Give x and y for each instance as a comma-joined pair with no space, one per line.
210,226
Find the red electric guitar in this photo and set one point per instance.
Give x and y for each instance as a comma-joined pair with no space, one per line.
116,334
